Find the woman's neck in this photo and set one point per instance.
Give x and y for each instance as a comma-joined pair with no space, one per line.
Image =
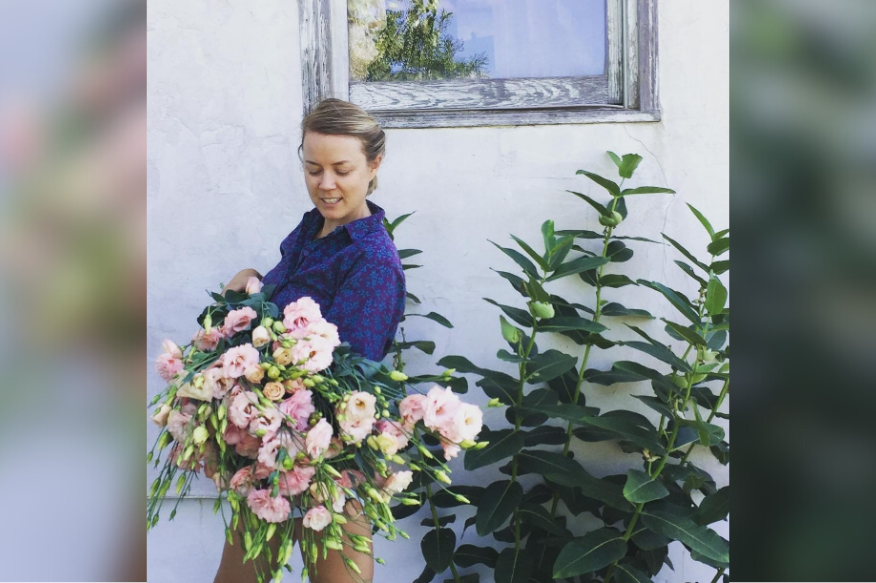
329,225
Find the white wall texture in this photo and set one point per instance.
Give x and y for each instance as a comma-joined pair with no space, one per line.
225,186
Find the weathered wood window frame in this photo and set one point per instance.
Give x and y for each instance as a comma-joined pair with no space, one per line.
626,93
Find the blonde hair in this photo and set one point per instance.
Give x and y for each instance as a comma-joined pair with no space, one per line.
342,118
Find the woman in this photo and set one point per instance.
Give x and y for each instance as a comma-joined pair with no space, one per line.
341,256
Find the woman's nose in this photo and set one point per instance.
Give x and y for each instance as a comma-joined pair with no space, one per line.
327,182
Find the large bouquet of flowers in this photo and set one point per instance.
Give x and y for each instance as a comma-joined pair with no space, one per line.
287,421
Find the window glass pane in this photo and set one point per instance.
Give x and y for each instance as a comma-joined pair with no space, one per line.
422,40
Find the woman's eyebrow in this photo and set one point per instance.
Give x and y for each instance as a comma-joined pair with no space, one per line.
333,163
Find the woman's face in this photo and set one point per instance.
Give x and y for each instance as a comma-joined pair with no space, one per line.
337,176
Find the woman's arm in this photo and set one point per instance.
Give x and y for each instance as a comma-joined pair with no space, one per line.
238,282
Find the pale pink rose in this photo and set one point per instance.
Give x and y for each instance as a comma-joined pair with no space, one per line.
360,406
283,356
160,416
170,347
168,364
267,508
242,482
317,518
318,438
244,443
268,453
296,481
178,424
300,407
439,409
411,409
207,341
253,286
293,385
274,391
468,421
313,354
325,330
243,409
254,374
260,336
239,359
267,421
238,320
356,431
215,382
398,482
451,450
299,314
392,433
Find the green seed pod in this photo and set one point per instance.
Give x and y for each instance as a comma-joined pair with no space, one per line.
541,310
509,332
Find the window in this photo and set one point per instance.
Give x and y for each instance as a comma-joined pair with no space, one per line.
446,63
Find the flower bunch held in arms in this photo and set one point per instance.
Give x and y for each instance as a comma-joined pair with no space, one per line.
287,421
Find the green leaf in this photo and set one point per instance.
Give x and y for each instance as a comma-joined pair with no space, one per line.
503,444
628,165
532,253
620,205
413,298
437,547
547,463
426,346
690,335
605,183
675,299
577,266
719,246
496,384
560,251
538,517
435,317
549,365
615,280
615,309
656,404
716,296
641,487
686,253
427,575
568,324
444,498
499,501
646,190
648,540
592,552
581,234
689,270
406,266
626,429
513,566
720,267
522,317
468,555
705,222
610,377
442,521
519,259
544,435
599,208
697,538
515,280
395,223
567,412
405,253
618,252
714,507
624,573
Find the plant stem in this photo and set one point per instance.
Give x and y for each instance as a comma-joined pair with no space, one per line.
718,575
721,396
438,526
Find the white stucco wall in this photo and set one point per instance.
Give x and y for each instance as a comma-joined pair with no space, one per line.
225,187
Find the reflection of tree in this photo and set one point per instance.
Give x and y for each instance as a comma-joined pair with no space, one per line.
414,46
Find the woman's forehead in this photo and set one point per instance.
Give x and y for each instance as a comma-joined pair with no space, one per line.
332,149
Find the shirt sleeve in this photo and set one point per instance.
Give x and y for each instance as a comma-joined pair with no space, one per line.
369,306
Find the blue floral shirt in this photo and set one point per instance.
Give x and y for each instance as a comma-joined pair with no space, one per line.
354,274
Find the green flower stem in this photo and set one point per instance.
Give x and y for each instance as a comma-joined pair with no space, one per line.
721,396
718,575
438,526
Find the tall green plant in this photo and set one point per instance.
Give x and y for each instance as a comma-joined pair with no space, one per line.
654,503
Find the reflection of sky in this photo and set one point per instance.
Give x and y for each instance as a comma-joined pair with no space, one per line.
531,38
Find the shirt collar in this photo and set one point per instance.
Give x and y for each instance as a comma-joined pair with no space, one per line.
356,229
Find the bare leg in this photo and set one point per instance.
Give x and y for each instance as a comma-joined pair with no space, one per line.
232,569
333,569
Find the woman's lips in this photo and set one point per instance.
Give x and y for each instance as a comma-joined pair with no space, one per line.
330,201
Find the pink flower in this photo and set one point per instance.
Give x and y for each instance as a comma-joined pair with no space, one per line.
268,453
318,438
238,320
160,416
411,409
356,431
243,409
242,482
398,482
299,314
244,443
296,481
361,406
317,518
325,330
238,359
439,409
260,336
313,354
335,448
451,450
392,437
253,286
267,508
214,381
266,423
262,471
300,407
207,341
468,421
178,424
170,361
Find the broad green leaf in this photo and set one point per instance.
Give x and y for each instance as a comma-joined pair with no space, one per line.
714,507
705,222
547,233
698,538
406,266
610,377
515,280
495,384
519,259
437,547
581,234
500,500
549,365
567,412
532,253
506,356
605,183
522,317
602,490
544,435
514,566
405,253
540,518
577,266
567,324
627,165
536,291
689,270
615,309
592,552
426,576
646,190
641,487
399,220
616,159
720,267
625,573
435,317
620,205
413,298
599,207
468,555
442,521
719,246
720,234
618,252
690,335
661,353
426,346
560,251
717,340
645,437
649,540
716,296
655,404
615,280
503,444
547,463
675,299
686,253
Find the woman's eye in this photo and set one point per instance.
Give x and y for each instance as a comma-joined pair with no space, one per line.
343,173
314,172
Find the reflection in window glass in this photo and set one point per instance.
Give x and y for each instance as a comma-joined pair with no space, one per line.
422,40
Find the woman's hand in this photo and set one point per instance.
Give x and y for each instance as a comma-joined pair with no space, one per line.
238,282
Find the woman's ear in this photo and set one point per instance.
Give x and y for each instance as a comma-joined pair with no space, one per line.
375,164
